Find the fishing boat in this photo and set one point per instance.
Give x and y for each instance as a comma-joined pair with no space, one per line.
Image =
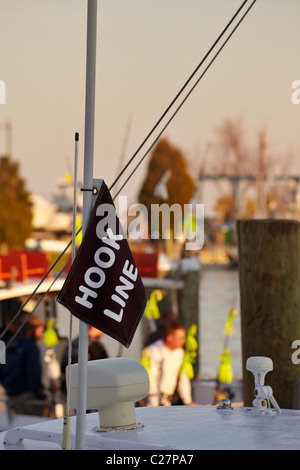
168,434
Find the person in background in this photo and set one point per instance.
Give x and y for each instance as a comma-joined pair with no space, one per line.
164,359
96,350
21,375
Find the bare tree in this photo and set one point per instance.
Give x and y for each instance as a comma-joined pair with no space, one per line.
232,155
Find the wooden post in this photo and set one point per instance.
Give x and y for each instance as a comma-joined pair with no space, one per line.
269,271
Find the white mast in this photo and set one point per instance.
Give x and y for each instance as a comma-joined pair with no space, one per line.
87,206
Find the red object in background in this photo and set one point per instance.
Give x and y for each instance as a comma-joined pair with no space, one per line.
13,266
146,263
22,264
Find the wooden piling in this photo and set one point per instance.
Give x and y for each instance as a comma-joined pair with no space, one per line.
269,273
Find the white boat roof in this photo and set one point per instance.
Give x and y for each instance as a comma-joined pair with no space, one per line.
171,428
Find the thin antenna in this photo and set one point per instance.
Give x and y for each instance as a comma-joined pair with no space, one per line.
66,441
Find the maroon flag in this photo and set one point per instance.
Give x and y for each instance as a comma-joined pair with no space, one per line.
103,287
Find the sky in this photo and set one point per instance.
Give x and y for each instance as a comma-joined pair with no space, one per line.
146,50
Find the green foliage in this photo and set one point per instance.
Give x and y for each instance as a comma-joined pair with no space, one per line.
15,207
180,185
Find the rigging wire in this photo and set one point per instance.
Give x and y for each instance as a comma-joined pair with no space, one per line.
179,93
184,100
133,157
38,286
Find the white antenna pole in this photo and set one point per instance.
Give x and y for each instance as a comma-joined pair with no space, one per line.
87,206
